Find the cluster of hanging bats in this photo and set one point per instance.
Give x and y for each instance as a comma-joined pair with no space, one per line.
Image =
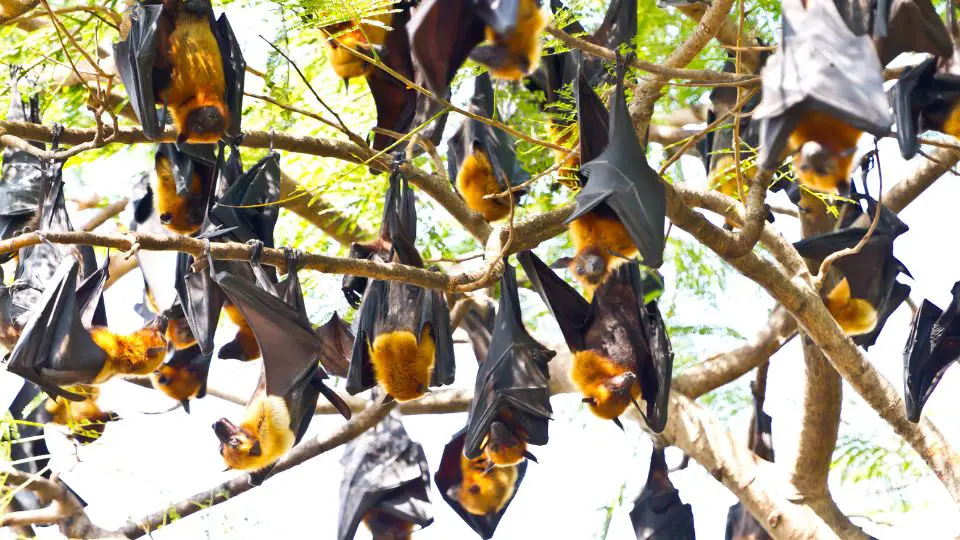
822,89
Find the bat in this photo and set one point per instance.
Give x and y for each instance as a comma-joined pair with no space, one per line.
621,350
386,483
622,207
822,88
926,96
741,525
559,70
56,349
291,379
511,399
478,493
158,268
933,345
897,26
242,208
658,513
403,334
481,160
184,376
869,291
444,33
22,173
354,35
184,179
85,419
173,53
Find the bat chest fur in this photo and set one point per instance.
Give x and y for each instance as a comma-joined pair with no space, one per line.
127,355
854,315
269,418
196,77
951,126
402,365
606,234
522,46
177,207
483,493
477,179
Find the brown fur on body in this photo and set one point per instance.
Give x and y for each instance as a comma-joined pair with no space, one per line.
385,526
139,353
182,214
475,180
188,75
616,364
601,243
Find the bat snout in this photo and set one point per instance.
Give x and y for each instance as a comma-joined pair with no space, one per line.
225,430
590,267
816,158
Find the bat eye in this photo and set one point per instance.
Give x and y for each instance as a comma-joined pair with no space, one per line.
162,379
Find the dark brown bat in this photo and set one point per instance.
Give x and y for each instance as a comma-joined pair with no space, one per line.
386,483
511,399
933,346
621,350
658,513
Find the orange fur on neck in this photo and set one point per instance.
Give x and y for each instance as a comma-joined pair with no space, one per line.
483,492
592,372
836,136
523,42
477,179
854,315
402,365
601,236
267,422
139,353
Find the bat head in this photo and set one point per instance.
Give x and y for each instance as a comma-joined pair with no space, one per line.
385,525
823,168
504,448
153,338
589,267
180,382
609,399
484,490
855,316
201,123
179,335
238,446
85,419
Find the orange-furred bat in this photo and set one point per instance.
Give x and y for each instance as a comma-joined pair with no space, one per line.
85,419
354,35
183,182
184,376
244,345
173,53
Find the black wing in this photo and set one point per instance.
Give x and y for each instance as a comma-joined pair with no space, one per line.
448,475
514,376
923,98
384,470
570,309
821,65
658,513
621,178
396,103
234,71
592,115
54,348
21,174
249,205
914,26
135,57
933,346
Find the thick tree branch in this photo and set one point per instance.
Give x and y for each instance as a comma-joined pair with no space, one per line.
304,451
725,368
63,509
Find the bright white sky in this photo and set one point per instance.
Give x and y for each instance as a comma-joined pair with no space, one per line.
148,461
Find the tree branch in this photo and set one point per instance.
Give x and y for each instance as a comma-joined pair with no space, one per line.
725,368
304,451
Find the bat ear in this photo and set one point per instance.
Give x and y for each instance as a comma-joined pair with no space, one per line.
186,405
453,493
562,262
255,450
619,424
530,456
